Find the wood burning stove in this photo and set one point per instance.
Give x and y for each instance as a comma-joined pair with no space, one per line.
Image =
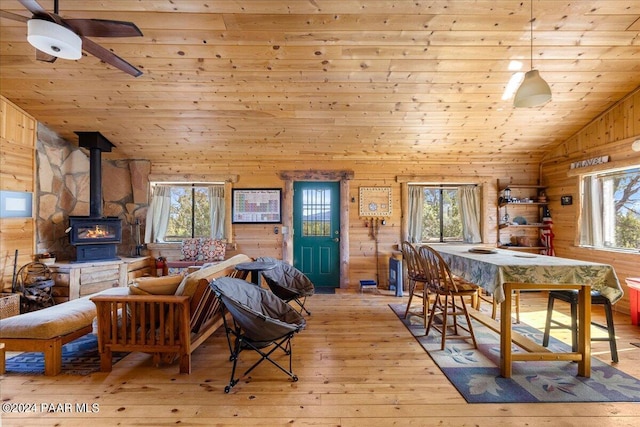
95,237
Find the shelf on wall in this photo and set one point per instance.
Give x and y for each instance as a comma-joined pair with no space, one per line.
536,225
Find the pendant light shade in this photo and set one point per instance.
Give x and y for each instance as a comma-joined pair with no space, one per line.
533,91
54,39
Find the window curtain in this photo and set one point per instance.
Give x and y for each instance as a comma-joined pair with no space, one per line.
591,217
216,197
416,202
158,214
469,202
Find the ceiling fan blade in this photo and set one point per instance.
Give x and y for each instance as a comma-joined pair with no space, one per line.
109,57
13,16
45,57
33,6
103,28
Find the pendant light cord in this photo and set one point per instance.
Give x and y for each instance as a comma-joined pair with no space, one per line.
531,35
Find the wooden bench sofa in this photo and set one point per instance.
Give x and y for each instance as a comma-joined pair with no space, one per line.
49,329
166,326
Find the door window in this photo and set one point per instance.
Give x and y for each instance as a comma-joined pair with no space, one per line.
316,208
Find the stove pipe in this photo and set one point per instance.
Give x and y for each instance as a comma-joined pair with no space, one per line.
96,143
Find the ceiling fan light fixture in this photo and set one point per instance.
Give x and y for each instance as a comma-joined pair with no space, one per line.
533,91
54,39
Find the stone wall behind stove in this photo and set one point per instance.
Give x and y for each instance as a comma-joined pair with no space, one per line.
63,190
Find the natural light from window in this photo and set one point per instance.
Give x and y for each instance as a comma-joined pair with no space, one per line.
610,216
441,220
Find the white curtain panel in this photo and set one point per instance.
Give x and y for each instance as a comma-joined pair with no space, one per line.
416,202
216,197
469,202
158,214
591,215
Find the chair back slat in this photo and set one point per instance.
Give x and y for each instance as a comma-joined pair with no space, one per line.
439,277
415,268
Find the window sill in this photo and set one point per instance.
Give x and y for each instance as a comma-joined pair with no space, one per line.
178,246
615,250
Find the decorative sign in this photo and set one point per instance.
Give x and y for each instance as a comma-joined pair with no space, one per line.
375,201
262,205
590,162
566,200
16,204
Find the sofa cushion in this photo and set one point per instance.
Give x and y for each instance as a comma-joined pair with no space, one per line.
190,282
213,250
166,285
190,249
56,320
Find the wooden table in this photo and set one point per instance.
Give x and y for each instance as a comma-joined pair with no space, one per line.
504,271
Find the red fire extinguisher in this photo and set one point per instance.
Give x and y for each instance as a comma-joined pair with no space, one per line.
161,264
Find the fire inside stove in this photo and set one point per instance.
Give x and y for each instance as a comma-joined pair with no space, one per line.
86,230
97,232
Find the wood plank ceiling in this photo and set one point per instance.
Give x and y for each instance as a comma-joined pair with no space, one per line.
330,79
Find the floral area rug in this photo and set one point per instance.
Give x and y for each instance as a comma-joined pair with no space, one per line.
476,374
79,357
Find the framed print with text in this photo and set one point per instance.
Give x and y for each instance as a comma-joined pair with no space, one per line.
257,206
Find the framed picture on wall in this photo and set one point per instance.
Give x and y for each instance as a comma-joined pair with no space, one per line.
16,204
375,201
257,206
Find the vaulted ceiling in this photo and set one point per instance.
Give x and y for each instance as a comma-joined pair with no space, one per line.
330,79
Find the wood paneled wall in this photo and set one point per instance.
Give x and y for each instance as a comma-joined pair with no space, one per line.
611,134
17,173
260,240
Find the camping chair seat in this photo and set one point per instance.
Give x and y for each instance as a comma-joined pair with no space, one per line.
288,283
260,321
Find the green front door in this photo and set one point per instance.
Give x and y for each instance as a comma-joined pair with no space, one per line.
316,231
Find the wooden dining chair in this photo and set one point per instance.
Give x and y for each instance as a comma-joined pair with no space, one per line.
417,279
447,288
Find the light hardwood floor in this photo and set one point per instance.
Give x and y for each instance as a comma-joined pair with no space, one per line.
357,364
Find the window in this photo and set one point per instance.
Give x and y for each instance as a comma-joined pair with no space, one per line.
189,213
444,213
441,220
179,211
610,216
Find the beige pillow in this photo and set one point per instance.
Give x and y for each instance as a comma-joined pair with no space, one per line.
166,285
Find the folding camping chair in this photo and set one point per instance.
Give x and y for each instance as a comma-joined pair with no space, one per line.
288,283
260,321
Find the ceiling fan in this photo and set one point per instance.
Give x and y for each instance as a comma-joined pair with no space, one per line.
56,37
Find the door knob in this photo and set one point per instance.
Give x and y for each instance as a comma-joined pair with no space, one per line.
335,239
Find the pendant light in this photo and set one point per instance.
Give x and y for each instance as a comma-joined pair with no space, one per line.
534,90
